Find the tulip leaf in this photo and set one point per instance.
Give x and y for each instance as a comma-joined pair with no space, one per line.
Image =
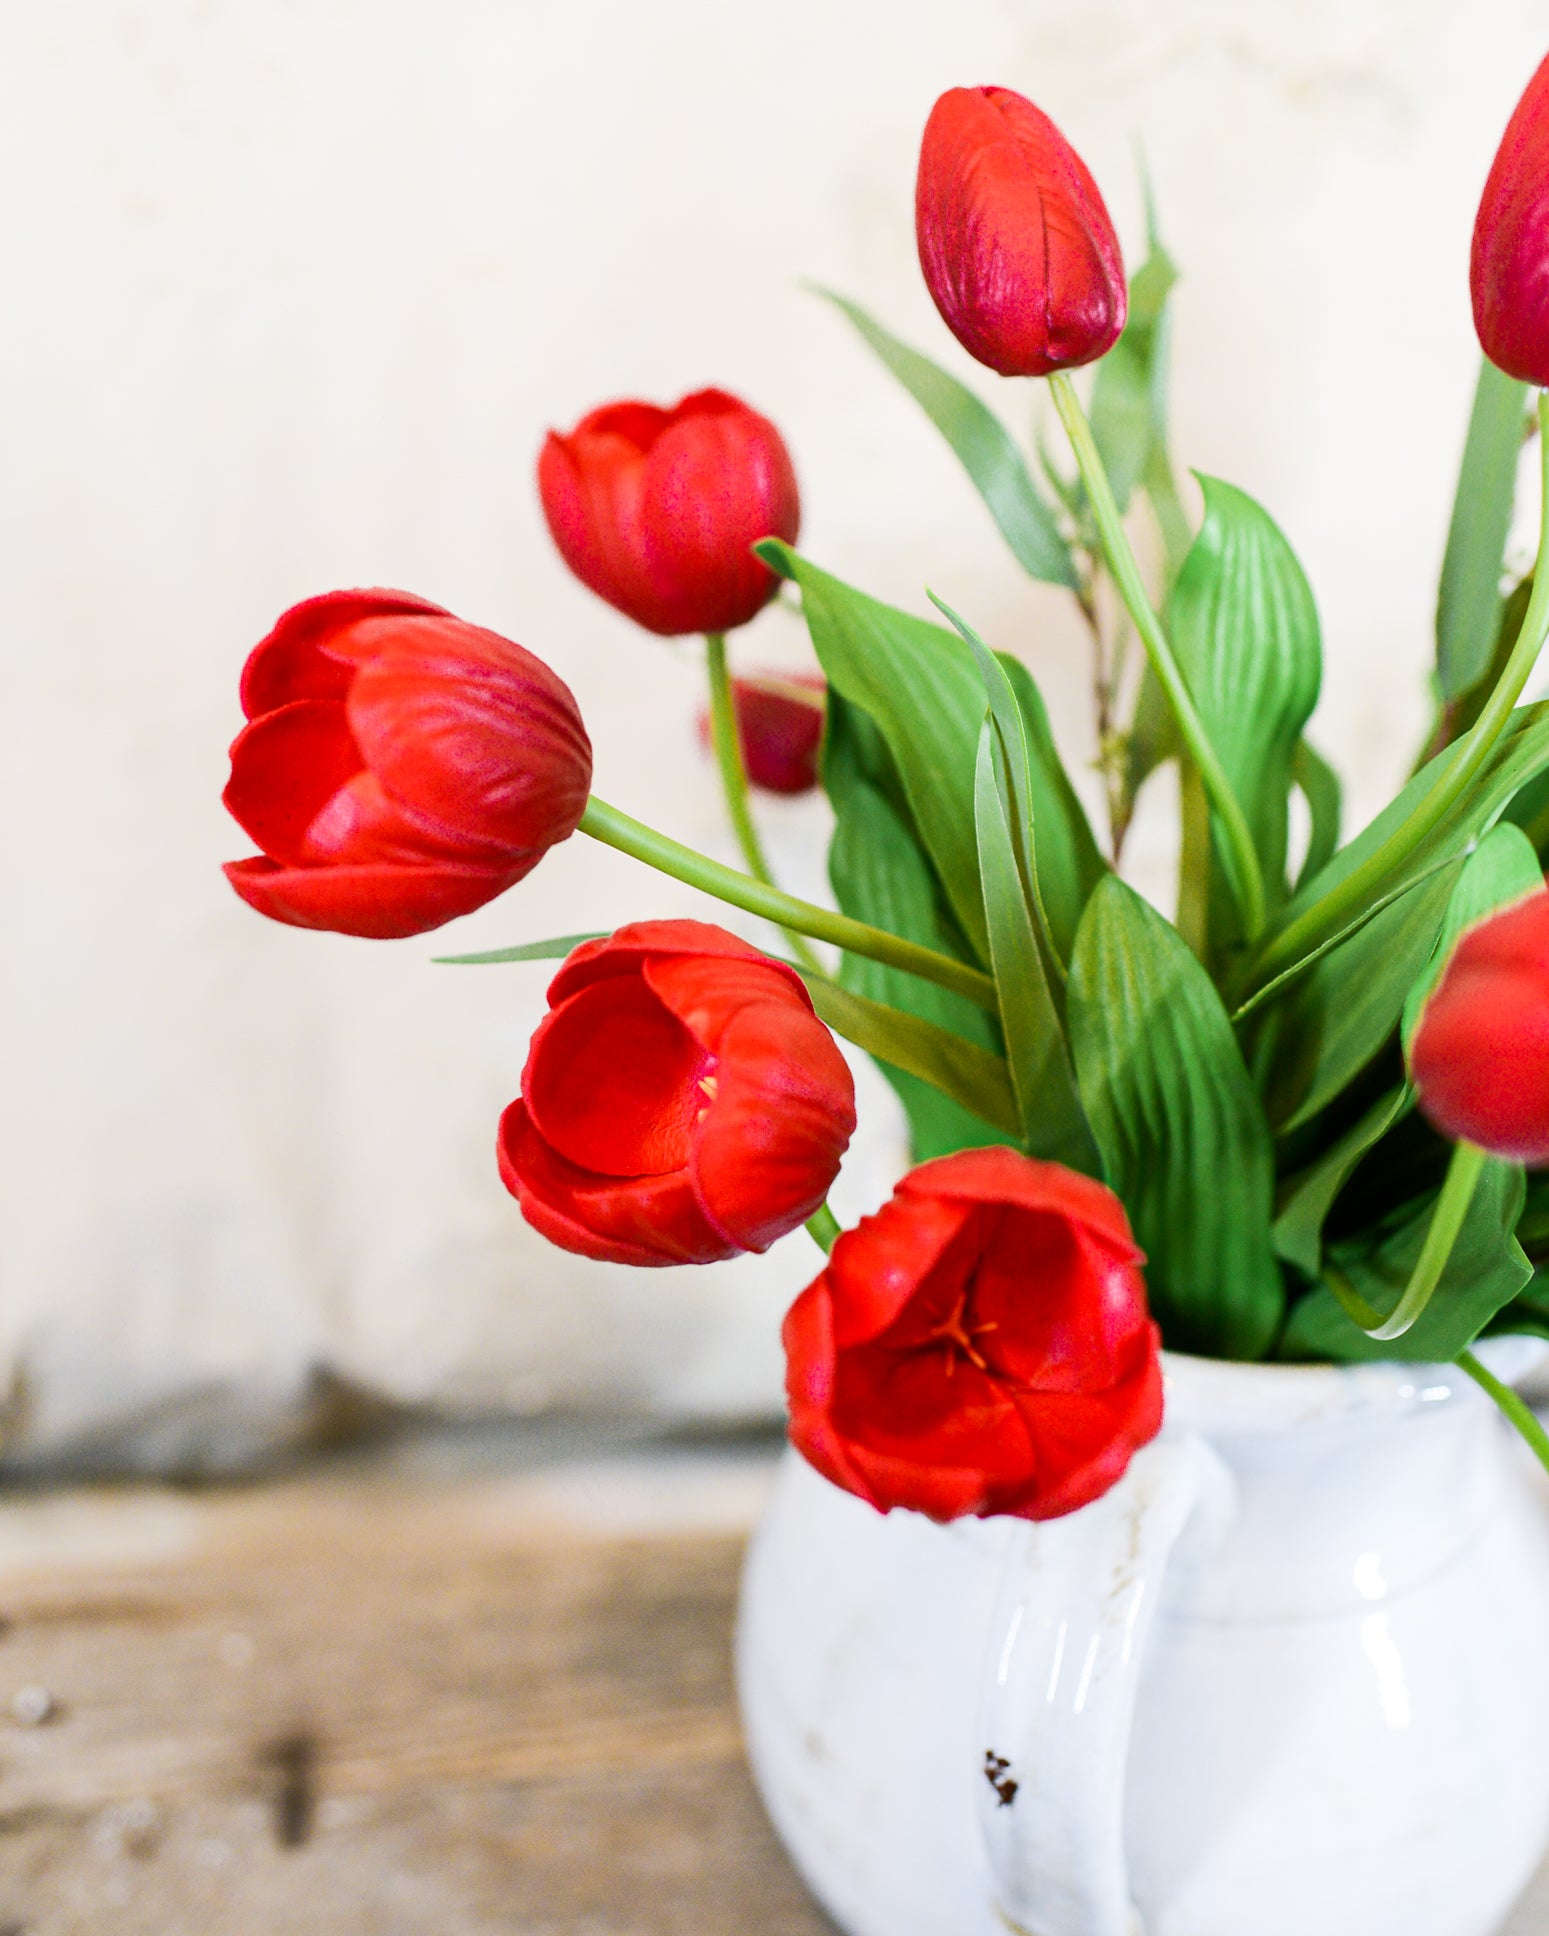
1052,1125
1049,830
1330,1019
882,873
1329,1022
1129,396
554,950
1318,784
982,445
1309,1196
1069,861
1245,629
1486,1271
1469,603
1183,1139
918,685
1501,869
973,1077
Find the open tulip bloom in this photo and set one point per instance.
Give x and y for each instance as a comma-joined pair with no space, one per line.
1304,1120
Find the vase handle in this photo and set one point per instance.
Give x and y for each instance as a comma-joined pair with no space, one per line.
1076,1600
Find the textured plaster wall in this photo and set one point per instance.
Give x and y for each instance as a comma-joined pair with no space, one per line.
293,289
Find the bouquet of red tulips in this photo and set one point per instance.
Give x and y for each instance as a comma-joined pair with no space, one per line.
1294,1123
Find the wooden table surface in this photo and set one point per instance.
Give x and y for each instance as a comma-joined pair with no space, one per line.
389,1699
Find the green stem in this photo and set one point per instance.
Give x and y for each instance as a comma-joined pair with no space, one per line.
823,1228
1470,753
1457,1193
727,742
671,857
1515,1409
1241,856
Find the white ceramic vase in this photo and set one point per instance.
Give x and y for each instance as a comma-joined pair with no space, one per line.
1289,1678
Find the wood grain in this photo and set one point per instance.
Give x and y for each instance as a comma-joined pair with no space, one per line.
350,1707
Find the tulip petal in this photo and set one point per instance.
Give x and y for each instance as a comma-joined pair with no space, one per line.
1001,1175
470,735
717,481
708,993
1063,1308
642,1221
285,768
879,1267
380,903
591,484
807,1335
933,1439
311,654
625,951
1086,1440
612,1081
770,1144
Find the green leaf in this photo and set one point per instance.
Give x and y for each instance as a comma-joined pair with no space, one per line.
1468,606
554,950
1501,869
1309,1196
970,1076
1070,863
1308,1043
882,873
1129,396
1319,786
1245,629
920,688
1049,1110
1329,1020
983,446
1049,829
1485,1272
1183,1139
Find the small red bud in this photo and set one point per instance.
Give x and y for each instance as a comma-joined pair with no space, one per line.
780,727
1480,1055
1509,270
1015,242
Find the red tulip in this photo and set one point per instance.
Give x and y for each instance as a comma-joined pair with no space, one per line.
779,726
657,511
1509,270
1015,241
681,1102
399,767
981,1345
1480,1055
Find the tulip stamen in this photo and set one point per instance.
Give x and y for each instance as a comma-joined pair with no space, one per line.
958,1335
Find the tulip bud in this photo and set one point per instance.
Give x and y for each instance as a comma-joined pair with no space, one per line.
1509,269
681,1101
1480,1054
779,727
399,767
657,511
1015,242
981,1345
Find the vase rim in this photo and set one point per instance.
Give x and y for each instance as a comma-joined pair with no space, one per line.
1223,1394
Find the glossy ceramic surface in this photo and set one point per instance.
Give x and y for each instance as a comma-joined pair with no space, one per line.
1291,1676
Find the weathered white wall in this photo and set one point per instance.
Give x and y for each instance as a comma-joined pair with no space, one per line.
293,288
